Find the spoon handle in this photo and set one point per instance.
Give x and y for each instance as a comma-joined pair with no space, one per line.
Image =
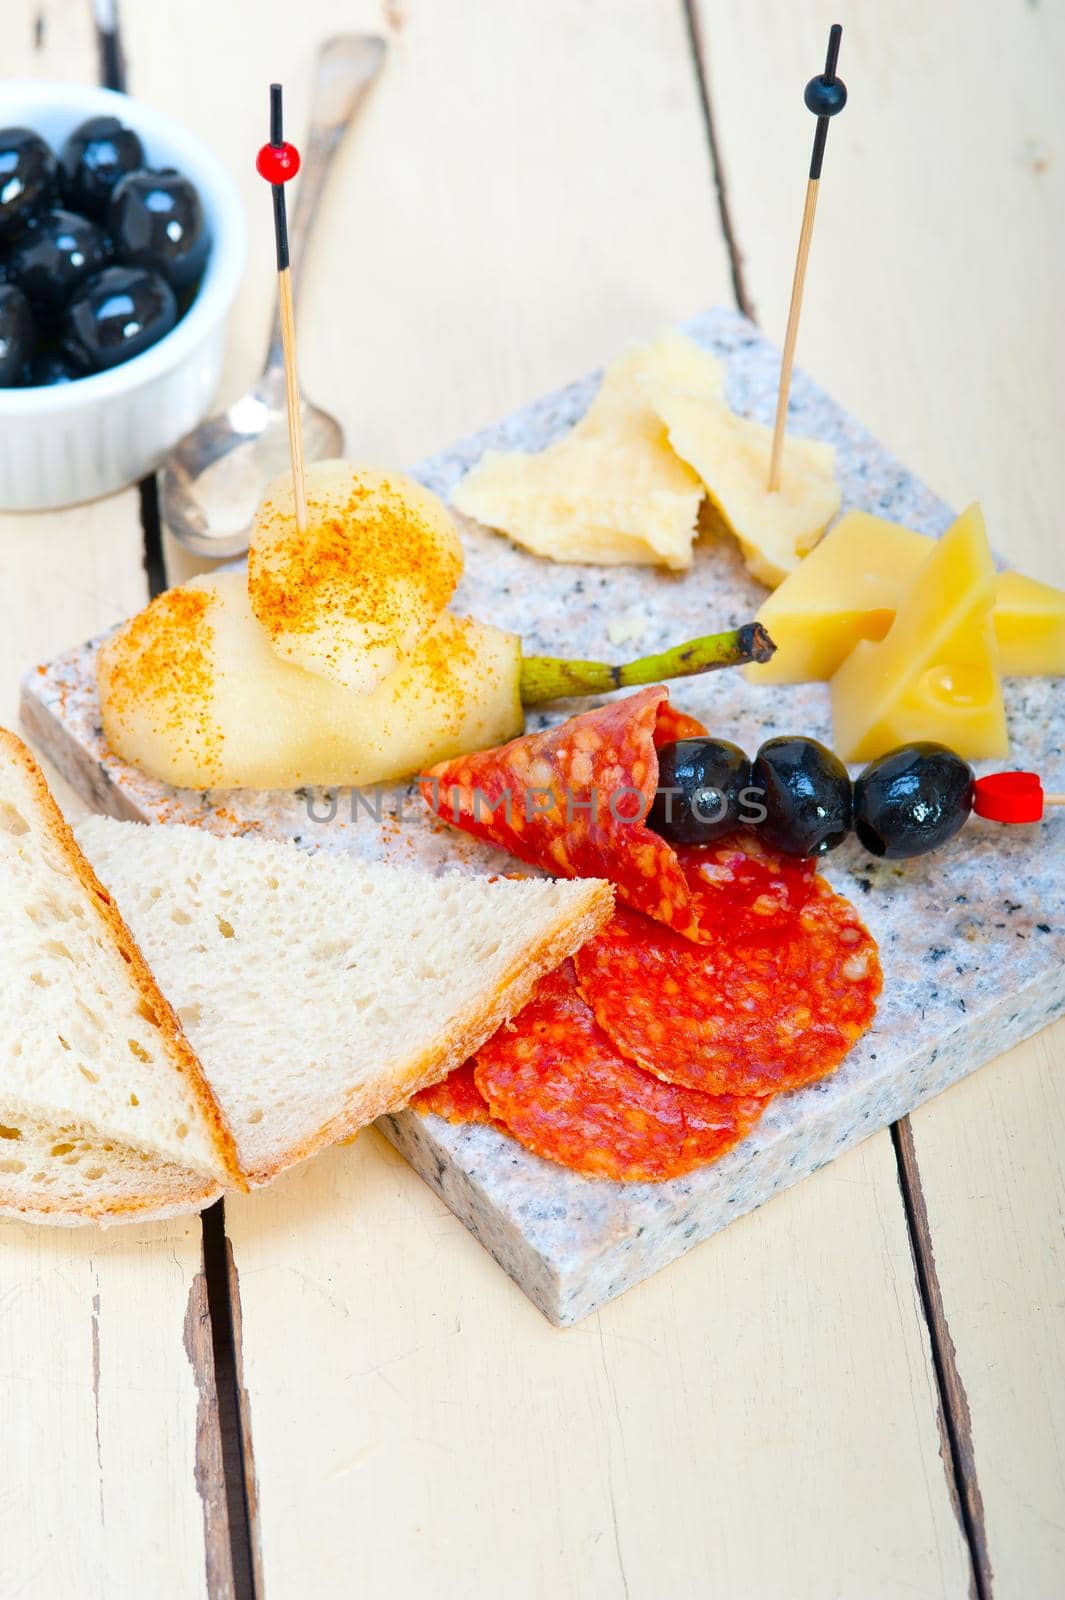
346,67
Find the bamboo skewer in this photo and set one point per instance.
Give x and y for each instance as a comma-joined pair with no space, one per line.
277,162
825,96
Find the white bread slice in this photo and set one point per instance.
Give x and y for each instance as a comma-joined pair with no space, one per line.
63,1177
87,1041
320,992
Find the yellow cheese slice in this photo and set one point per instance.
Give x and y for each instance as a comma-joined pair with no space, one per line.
1030,625
845,590
935,674
731,456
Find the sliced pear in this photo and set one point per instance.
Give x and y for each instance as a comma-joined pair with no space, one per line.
192,692
354,593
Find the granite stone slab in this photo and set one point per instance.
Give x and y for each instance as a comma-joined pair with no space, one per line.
972,939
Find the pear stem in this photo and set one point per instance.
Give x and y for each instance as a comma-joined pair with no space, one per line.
546,678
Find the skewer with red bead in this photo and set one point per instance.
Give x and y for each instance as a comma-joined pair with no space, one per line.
277,162
800,798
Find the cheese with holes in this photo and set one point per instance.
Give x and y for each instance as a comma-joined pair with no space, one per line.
844,591
935,674
731,456
1030,625
847,589
612,492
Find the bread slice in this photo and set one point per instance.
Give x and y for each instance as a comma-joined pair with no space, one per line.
65,1177
91,1054
320,992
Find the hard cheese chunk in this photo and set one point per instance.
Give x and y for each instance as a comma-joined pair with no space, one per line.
847,590
844,591
935,674
191,691
1030,626
612,492
731,455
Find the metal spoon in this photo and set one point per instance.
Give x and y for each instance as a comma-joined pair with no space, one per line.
214,478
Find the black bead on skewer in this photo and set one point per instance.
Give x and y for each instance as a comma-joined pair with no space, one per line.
825,96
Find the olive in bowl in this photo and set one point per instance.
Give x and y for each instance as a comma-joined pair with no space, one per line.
116,315
54,255
156,221
27,176
18,335
94,157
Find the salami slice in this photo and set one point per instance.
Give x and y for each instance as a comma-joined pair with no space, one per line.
775,998
573,800
555,1081
456,1098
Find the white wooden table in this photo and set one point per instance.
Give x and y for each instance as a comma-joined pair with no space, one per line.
859,1391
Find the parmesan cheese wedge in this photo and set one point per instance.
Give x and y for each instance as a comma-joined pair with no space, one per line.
731,456
612,492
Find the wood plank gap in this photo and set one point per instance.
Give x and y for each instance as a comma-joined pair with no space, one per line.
109,44
735,255
113,76
233,1413
959,1457
154,561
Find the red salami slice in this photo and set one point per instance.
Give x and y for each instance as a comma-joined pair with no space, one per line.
456,1099
775,997
556,1082
573,799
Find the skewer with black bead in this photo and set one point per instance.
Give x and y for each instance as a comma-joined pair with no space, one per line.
278,162
825,96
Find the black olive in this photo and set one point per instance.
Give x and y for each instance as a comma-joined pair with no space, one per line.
912,800
52,365
55,254
157,221
116,315
94,157
806,794
27,176
18,336
700,793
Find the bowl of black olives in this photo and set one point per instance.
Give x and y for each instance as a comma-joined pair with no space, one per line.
121,248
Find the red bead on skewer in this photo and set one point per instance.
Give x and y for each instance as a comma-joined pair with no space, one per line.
277,163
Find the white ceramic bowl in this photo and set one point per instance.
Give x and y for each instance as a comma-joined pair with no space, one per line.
75,441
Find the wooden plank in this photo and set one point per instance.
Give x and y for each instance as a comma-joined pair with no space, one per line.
932,309
529,188
108,1426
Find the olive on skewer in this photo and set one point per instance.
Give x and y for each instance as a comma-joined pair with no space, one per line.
798,794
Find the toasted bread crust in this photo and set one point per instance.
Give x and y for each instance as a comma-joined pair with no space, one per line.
182,1057
466,1035
155,1204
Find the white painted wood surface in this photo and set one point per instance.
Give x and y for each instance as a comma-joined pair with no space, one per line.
98,1399
529,187
934,311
